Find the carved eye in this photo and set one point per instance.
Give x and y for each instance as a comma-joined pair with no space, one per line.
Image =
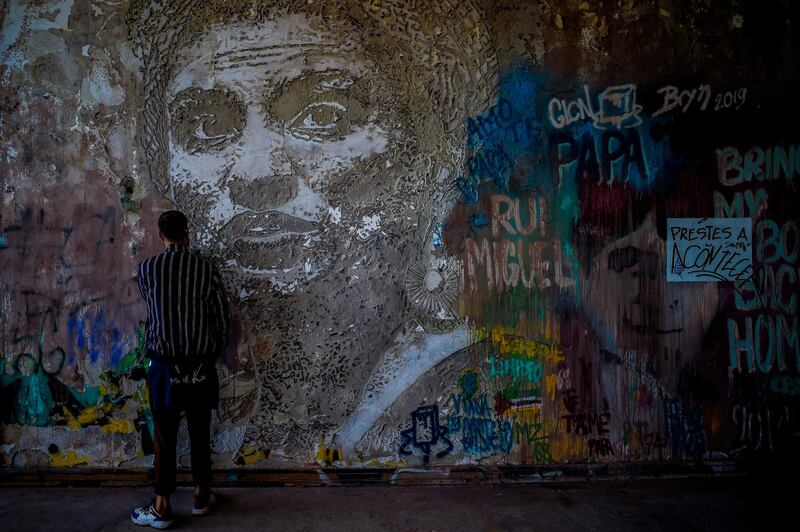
320,106
206,120
320,121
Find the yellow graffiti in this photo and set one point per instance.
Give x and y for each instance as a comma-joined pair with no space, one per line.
551,383
89,415
121,426
95,413
248,455
509,344
526,415
328,455
71,421
67,459
567,446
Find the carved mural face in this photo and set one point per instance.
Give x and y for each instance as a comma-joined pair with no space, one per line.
286,146
272,127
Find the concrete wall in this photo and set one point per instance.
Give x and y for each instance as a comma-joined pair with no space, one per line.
444,227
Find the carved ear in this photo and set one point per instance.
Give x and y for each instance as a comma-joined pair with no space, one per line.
158,161
153,137
156,29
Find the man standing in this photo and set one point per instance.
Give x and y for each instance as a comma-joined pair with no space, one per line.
188,320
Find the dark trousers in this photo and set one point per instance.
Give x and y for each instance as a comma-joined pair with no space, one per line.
167,403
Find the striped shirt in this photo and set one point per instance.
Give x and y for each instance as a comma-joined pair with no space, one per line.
188,318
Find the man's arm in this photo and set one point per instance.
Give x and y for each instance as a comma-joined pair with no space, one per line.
220,310
140,279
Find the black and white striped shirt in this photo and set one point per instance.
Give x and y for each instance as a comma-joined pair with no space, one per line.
188,318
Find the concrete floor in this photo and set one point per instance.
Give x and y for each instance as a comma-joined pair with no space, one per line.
649,505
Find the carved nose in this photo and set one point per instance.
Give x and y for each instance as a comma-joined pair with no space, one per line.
267,192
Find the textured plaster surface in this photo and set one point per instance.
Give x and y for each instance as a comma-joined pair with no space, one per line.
442,226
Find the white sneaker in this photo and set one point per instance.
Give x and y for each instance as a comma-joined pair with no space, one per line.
199,509
148,516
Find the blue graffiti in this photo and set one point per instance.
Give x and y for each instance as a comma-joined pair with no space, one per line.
612,144
602,156
481,434
683,425
473,418
498,138
436,240
479,219
425,434
96,336
468,382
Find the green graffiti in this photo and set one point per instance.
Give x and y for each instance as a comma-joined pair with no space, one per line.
134,359
127,189
34,399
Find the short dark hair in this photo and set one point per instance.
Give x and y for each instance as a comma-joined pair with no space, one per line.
173,225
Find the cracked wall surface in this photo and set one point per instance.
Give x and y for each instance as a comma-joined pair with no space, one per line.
446,228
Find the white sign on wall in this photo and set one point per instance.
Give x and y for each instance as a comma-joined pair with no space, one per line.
709,249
